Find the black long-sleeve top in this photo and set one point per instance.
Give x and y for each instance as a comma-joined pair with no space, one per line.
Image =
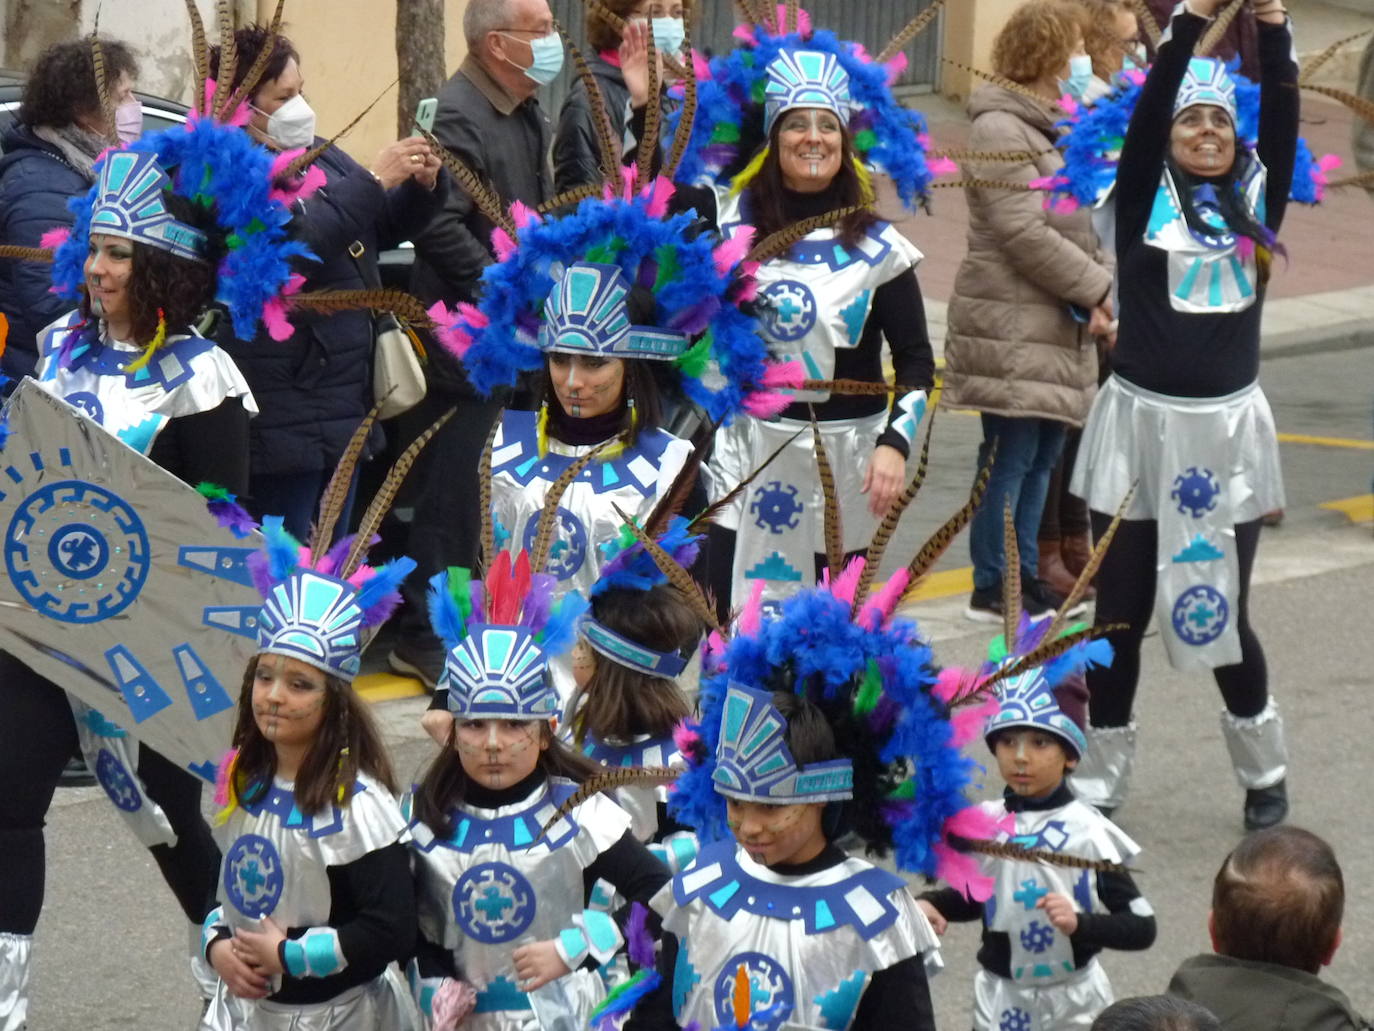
208,447
897,315
1178,353
896,997
1118,928
627,865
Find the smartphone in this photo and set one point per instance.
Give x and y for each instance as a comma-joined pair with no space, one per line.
424,113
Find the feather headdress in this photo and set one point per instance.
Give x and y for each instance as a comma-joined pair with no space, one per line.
731,100
615,244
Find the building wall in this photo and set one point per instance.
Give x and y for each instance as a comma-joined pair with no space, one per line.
970,28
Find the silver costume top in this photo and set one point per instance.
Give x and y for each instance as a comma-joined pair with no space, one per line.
808,944
188,375
818,297
521,477
1040,954
497,883
640,801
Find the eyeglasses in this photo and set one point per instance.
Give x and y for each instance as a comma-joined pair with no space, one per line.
538,32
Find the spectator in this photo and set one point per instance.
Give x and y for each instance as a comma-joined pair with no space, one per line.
48,154
1241,39
315,387
489,117
1155,1013
1030,296
1364,130
621,69
1277,903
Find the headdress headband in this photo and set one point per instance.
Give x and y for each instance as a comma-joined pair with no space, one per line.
753,762
131,203
587,314
1206,82
805,78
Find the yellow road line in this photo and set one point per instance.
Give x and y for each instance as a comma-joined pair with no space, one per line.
1359,509
944,584
384,687
1346,442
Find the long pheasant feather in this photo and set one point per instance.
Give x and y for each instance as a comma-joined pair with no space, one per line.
548,517
1315,65
1049,649
1080,586
228,55
1000,80
1221,22
12,250
778,243
1365,179
1011,578
488,541
1021,854
677,576
336,493
942,538
483,196
400,303
709,513
307,159
994,157
603,12
792,16
620,777
386,494
253,76
1148,22
688,112
102,82
983,184
878,546
1362,107
570,197
653,114
834,532
605,139
200,55
676,495
910,31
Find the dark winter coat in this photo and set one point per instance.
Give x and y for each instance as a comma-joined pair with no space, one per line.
313,389
1251,996
576,154
36,182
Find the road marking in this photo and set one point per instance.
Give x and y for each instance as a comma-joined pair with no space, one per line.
1359,509
1346,442
385,687
944,584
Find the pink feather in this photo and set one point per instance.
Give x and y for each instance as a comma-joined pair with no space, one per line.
962,872
848,581
502,244
745,34
783,375
1064,205
700,66
1046,182
55,238
895,68
942,166
732,250
1245,246
660,192
222,770
523,215
629,179
949,682
313,180
210,88
766,404
751,616
884,603
274,318
969,722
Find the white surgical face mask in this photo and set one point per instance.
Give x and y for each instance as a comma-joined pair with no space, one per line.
292,124
1080,75
669,35
129,121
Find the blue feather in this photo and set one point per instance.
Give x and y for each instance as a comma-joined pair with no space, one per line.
283,551
444,615
560,631
382,589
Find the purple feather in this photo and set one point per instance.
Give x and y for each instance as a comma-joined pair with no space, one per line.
380,595
479,601
232,516
695,319
648,274
638,940
263,581
539,601
334,557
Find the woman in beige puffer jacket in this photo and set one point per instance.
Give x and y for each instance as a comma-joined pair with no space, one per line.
1029,297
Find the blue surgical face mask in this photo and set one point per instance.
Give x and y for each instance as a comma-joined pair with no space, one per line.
548,58
1134,58
669,35
1080,75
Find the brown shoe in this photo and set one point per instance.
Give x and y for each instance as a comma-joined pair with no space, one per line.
1055,571
1075,550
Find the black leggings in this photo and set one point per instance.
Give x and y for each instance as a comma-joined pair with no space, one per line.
37,736
1126,594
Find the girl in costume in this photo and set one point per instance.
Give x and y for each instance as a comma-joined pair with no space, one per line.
503,876
175,221
830,294
1196,222
316,900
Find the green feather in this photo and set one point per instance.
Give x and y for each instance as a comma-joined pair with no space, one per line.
213,492
865,139
458,580
668,266
997,650
725,133
870,691
905,792
693,361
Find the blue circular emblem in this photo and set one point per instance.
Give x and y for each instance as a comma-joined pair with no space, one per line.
775,507
569,549
85,401
253,876
790,313
770,991
1196,491
493,903
1200,615
116,781
77,552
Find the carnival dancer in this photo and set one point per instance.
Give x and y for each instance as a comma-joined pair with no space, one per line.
1044,925
507,939
317,902
830,296
1183,413
174,221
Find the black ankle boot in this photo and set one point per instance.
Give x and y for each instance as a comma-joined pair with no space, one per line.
1265,807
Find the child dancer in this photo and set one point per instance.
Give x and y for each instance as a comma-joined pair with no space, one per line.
503,876
317,897
1044,925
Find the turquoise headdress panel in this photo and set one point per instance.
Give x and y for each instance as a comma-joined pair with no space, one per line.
587,314
131,204
1027,700
1207,82
498,672
754,764
314,618
805,78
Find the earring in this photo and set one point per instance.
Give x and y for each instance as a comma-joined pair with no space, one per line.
634,415
541,427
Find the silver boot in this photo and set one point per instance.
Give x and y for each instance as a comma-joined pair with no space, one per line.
1104,772
1259,755
15,954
